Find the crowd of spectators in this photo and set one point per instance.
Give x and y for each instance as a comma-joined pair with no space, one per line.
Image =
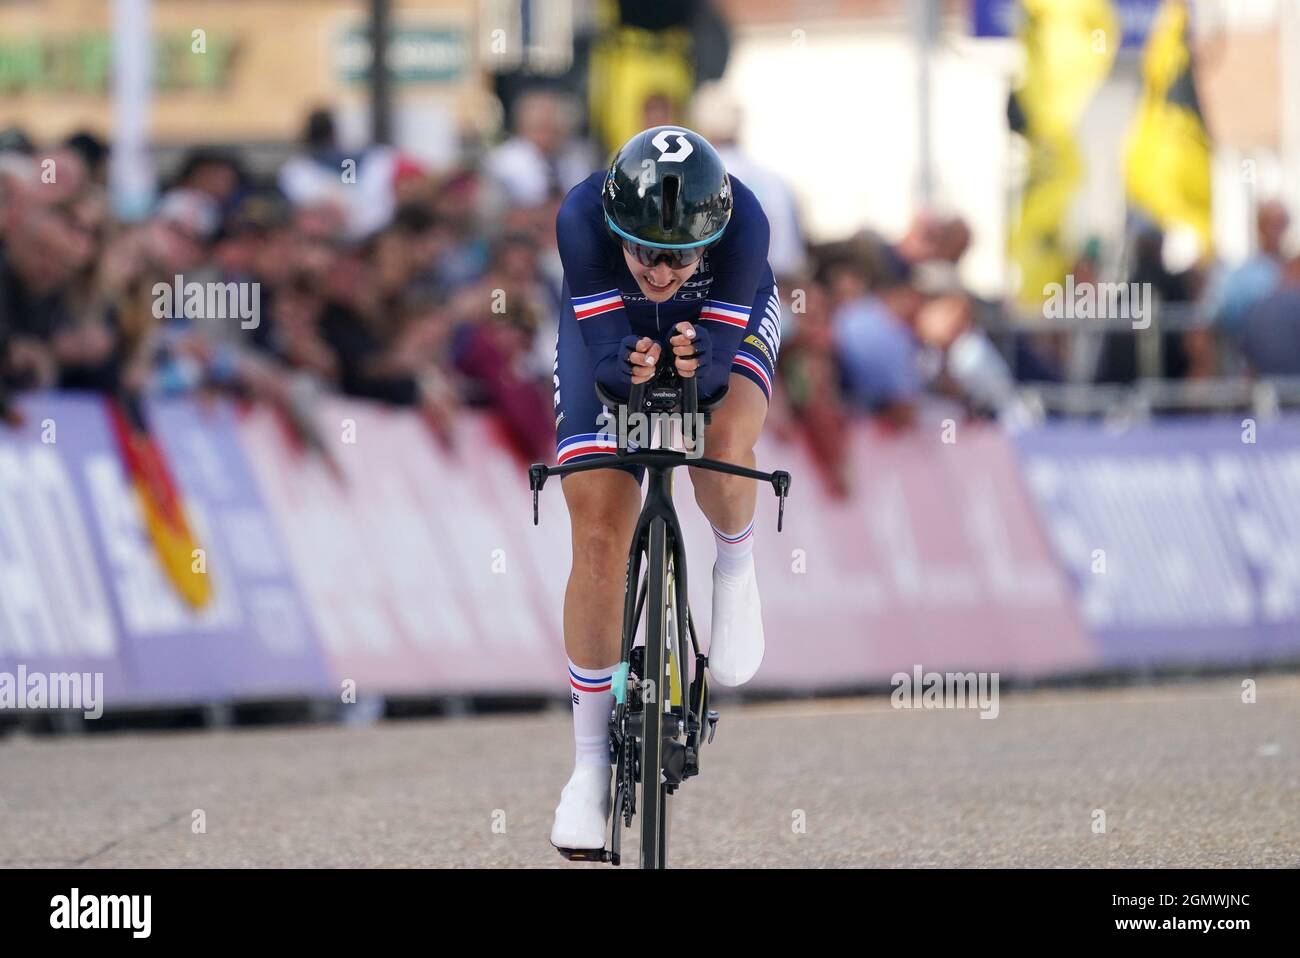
367,274
379,278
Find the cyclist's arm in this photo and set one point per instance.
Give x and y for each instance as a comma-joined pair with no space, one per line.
739,264
593,289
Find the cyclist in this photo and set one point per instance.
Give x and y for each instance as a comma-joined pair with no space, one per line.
665,260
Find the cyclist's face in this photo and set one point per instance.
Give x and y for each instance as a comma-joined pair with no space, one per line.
658,282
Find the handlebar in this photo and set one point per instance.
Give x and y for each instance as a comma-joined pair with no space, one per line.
664,393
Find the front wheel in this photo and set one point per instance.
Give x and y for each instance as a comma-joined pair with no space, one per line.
654,794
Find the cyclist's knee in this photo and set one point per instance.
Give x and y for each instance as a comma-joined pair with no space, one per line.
602,514
736,424
728,445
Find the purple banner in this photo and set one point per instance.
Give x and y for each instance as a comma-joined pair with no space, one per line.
55,613
257,635
1182,539
81,588
1002,18
414,568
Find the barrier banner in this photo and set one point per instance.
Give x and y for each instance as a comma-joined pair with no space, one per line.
935,560
56,613
418,571
82,586
1182,538
424,571
258,636
410,565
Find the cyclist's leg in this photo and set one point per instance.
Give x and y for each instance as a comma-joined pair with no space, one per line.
603,507
728,501
736,640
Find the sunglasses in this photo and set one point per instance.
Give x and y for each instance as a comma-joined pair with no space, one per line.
675,258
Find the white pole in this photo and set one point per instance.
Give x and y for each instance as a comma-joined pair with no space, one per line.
924,26
130,172
1289,102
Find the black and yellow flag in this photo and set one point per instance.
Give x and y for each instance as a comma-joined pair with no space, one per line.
628,67
1167,157
1069,48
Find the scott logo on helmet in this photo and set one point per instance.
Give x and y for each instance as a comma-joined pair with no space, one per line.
684,147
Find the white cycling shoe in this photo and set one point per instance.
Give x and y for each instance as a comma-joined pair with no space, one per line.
583,812
736,646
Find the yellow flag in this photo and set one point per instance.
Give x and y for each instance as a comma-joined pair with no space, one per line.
1167,157
1069,49
628,67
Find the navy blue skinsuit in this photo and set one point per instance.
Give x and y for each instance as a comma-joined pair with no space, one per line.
732,293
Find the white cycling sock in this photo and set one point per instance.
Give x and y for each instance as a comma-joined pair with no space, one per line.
593,700
734,549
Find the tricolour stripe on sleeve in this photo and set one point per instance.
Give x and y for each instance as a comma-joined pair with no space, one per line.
728,313
585,307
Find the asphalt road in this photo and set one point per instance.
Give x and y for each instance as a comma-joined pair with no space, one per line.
1186,775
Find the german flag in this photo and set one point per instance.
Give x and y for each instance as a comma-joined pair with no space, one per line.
1167,157
160,503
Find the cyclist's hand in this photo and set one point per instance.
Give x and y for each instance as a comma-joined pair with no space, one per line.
641,356
633,363
692,349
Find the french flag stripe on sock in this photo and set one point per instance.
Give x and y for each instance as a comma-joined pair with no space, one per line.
585,684
738,537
